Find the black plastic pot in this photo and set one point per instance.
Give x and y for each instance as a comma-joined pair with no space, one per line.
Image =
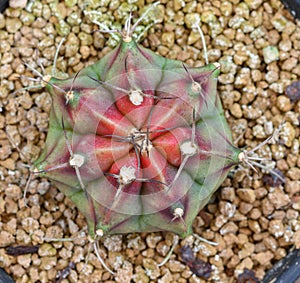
3,6
4,278
286,270
293,6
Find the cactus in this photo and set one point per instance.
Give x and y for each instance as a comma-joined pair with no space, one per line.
138,142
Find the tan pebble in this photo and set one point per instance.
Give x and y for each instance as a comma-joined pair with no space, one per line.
229,227
47,250
34,274
296,239
14,192
222,42
263,258
206,249
226,253
242,239
296,203
183,55
30,224
228,193
247,250
278,198
294,174
242,79
226,78
11,226
283,103
289,64
292,214
253,4
255,213
245,207
18,271
113,243
259,132
72,45
254,226
226,208
272,76
140,275
64,253
176,266
148,253
278,87
267,207
48,262
291,160
162,248
13,25
233,262
167,277
2,22
84,51
274,37
246,263
191,19
238,216
260,247
288,134
264,223
6,239
151,268
9,163
280,253
226,8
270,243
220,221
168,39
125,273
152,240
194,279
247,195
178,4
270,54
240,57
276,228
24,260
251,113
256,75
282,165
46,219
230,239
236,110
292,187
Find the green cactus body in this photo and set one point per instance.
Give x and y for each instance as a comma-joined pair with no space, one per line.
137,141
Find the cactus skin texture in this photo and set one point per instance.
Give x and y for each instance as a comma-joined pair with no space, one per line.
138,142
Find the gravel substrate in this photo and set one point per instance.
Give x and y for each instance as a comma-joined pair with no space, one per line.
254,217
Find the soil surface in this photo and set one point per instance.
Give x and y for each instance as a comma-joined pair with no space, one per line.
253,217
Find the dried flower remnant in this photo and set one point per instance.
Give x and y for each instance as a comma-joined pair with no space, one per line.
197,266
248,276
272,179
64,273
22,250
293,91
